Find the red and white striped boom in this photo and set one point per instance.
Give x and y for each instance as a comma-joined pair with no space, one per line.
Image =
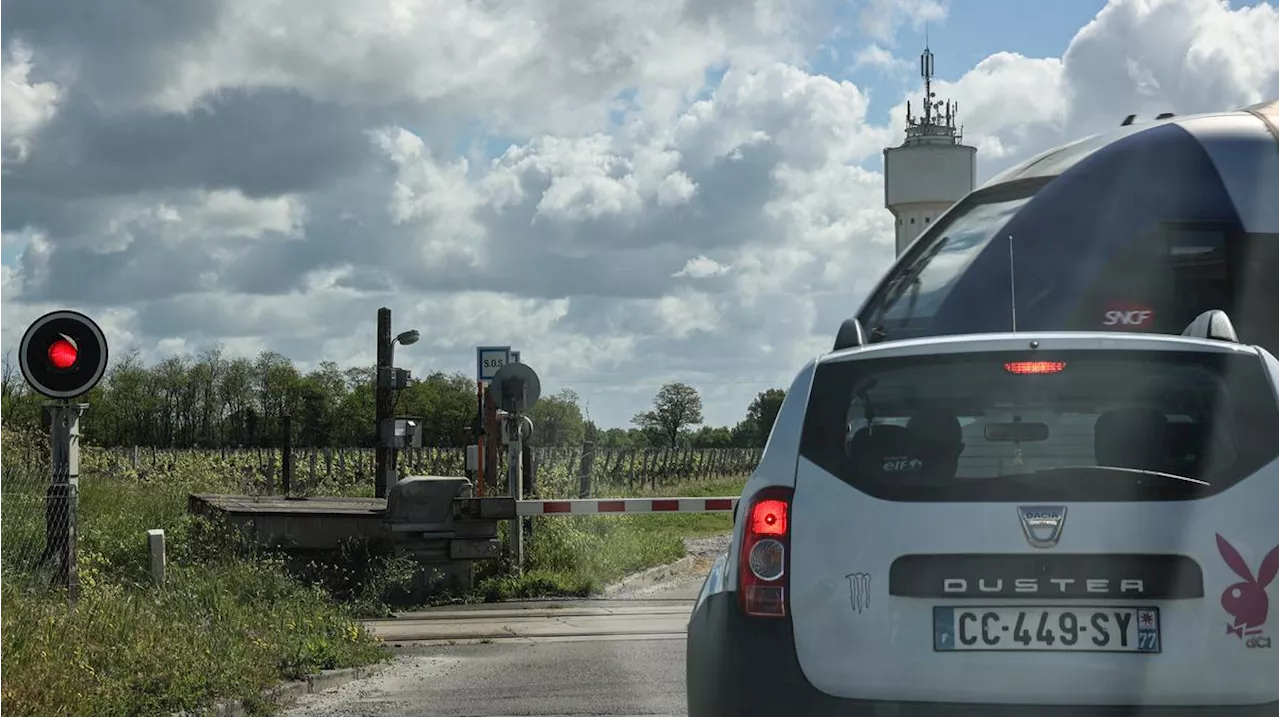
613,506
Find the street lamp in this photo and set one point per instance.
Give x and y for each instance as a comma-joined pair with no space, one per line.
404,338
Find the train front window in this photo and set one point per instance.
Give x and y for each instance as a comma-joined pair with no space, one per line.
910,300
1201,276
1255,266
1161,281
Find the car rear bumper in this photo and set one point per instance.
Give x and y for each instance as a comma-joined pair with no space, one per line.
744,667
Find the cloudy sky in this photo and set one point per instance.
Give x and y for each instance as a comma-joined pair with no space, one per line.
628,192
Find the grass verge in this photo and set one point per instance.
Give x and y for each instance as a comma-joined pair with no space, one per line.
215,632
224,626
577,556
229,622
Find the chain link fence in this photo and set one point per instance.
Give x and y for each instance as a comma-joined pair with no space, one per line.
560,472
34,513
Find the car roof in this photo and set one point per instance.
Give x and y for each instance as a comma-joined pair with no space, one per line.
1047,340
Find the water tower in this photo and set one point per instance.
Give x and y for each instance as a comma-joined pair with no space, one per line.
932,170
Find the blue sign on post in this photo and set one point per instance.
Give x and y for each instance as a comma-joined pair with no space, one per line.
489,359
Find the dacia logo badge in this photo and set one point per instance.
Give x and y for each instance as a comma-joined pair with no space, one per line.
1042,524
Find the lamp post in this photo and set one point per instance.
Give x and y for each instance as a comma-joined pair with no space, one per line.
404,338
386,384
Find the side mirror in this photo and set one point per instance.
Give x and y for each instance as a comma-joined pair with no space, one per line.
850,335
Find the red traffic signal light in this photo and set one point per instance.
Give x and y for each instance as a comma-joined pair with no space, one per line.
63,354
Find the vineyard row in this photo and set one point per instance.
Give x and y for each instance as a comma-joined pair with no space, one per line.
559,471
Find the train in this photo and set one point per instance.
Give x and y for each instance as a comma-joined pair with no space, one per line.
1140,228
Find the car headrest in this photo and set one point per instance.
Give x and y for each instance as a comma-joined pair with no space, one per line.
1136,438
935,428
884,450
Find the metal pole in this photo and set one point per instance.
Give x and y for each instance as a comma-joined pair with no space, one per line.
515,483
63,497
479,430
492,440
382,405
286,454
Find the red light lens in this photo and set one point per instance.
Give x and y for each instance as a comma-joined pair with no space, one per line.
769,517
62,354
1024,367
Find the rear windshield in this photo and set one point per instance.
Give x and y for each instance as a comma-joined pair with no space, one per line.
1035,425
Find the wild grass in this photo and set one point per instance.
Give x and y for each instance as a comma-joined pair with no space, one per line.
230,621
224,625
576,556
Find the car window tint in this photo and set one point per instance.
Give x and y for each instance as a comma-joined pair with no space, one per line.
954,427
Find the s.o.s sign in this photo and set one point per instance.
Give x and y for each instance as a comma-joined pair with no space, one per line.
489,359
1128,316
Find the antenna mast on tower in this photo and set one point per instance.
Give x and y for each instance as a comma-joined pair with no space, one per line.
939,120
932,169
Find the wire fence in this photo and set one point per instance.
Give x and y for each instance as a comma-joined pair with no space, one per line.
560,472
34,514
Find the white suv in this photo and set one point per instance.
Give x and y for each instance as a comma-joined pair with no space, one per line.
1006,524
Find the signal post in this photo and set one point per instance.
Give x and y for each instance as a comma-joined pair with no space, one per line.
489,359
63,355
515,389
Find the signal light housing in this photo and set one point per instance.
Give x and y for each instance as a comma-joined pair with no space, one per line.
63,354
765,551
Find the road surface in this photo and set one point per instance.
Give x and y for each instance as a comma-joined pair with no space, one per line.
618,657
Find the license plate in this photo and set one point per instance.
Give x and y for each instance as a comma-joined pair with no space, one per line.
1047,629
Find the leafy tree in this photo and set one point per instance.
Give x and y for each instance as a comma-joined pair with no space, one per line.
762,413
557,420
712,437
445,402
677,405
214,400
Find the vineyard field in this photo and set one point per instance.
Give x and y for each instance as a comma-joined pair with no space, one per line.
559,472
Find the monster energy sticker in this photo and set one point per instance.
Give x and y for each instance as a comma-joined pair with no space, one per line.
859,591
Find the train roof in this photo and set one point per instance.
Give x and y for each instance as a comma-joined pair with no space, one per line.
1258,121
1231,140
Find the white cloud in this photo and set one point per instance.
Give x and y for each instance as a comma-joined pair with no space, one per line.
700,267
880,19
25,105
880,57
560,177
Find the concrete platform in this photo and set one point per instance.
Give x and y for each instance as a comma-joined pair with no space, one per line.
320,523
259,504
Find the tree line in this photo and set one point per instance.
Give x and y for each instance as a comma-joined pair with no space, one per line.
211,400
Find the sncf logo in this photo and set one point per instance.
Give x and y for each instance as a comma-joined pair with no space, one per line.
1246,601
1128,315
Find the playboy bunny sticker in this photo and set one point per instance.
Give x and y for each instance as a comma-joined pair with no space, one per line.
1246,601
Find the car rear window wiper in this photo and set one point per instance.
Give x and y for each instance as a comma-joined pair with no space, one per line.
1099,471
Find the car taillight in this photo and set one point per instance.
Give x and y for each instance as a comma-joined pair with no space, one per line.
1035,367
766,542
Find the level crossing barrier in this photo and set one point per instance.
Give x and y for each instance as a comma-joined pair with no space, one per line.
614,506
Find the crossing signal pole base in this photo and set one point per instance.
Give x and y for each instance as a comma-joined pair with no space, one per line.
62,500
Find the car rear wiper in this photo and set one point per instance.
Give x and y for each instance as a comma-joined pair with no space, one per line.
1134,472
